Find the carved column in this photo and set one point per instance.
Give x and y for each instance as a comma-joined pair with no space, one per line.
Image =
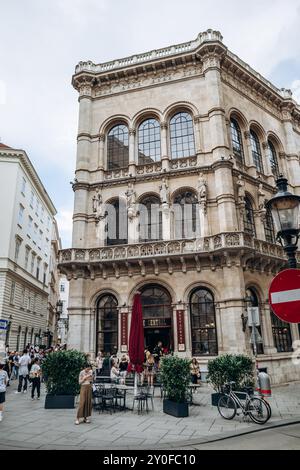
225,196
197,135
166,221
164,146
101,165
80,216
133,155
84,127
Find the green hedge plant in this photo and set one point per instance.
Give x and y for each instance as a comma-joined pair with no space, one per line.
61,371
226,368
175,377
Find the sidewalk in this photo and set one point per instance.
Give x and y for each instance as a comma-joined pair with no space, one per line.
27,425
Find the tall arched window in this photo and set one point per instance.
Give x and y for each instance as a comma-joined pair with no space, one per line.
273,159
252,301
249,225
237,141
203,323
107,324
182,135
256,151
149,141
150,219
269,227
117,222
281,334
186,215
117,147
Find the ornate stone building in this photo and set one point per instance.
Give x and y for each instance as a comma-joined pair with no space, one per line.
188,129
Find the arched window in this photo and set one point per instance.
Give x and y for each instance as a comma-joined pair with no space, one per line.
149,141
249,226
269,227
273,159
116,225
150,219
256,151
186,215
107,324
157,316
203,323
182,135
252,301
117,147
237,141
281,334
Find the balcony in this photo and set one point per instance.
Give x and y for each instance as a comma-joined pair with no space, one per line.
173,255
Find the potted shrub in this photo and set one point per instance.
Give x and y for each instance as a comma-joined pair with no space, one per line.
175,377
61,370
226,368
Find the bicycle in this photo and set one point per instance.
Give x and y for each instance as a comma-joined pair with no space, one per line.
252,406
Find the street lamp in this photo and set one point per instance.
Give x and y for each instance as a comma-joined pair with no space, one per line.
284,207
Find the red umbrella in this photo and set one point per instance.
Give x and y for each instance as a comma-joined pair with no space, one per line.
136,336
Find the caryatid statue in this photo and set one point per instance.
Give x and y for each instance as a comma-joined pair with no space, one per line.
131,201
164,192
241,190
98,208
202,192
261,197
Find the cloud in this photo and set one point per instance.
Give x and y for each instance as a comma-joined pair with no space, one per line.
64,222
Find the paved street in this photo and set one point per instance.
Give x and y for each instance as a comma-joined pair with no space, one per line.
27,425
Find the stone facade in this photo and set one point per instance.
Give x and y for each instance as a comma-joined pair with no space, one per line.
233,251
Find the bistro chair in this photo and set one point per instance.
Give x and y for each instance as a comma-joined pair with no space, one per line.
97,396
142,400
120,399
109,399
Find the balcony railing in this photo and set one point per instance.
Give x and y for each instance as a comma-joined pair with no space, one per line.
222,241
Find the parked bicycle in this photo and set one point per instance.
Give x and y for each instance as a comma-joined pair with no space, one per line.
255,407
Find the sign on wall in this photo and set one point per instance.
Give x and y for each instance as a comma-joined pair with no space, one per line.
180,330
124,331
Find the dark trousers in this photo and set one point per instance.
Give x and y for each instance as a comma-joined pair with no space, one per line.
21,377
36,384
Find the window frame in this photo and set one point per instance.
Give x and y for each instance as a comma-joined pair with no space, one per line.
148,138
115,159
238,153
256,151
176,135
211,351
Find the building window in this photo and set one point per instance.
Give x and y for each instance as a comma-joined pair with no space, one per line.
27,251
12,292
42,215
35,231
203,323
252,301
273,159
107,324
40,239
182,135
23,189
37,207
38,267
29,227
281,334
117,147
249,226
17,249
149,141
269,228
22,298
32,263
256,151
237,141
150,219
62,288
116,226
32,199
186,215
20,215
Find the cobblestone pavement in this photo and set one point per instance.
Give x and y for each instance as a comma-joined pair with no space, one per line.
27,425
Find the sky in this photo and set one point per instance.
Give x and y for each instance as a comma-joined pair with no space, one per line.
41,41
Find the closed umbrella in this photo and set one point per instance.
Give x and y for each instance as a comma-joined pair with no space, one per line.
136,339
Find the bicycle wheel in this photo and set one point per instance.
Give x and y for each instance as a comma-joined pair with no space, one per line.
258,410
227,407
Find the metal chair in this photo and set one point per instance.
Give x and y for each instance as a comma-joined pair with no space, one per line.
109,399
142,400
120,399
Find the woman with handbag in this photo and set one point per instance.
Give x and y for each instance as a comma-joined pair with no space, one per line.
85,402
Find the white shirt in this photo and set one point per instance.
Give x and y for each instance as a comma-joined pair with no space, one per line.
24,362
3,380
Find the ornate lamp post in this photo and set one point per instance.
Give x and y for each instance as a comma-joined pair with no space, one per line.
284,208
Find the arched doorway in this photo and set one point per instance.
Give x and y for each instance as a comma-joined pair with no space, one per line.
107,324
252,301
203,323
157,316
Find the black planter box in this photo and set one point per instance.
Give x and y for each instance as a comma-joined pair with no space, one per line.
215,397
59,402
179,410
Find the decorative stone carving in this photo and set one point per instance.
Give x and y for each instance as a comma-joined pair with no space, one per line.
164,192
241,190
261,198
202,193
131,202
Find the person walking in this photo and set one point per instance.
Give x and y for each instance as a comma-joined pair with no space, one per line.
149,369
3,385
24,362
99,363
195,371
35,375
85,402
123,368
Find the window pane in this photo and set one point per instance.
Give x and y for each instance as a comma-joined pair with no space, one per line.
182,132
256,152
117,147
203,323
149,141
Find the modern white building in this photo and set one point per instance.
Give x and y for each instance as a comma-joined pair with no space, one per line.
26,219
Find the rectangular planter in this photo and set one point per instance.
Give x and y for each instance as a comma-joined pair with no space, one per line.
179,410
59,402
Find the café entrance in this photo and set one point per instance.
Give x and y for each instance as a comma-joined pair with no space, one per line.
157,316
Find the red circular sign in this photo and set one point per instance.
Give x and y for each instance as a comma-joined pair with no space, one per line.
284,295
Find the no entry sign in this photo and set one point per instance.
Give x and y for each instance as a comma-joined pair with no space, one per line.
284,295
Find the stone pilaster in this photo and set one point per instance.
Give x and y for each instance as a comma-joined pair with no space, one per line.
133,155
225,195
164,146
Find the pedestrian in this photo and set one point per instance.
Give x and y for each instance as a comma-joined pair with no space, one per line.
35,375
3,385
114,372
24,362
195,371
149,369
157,354
123,368
99,363
85,402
